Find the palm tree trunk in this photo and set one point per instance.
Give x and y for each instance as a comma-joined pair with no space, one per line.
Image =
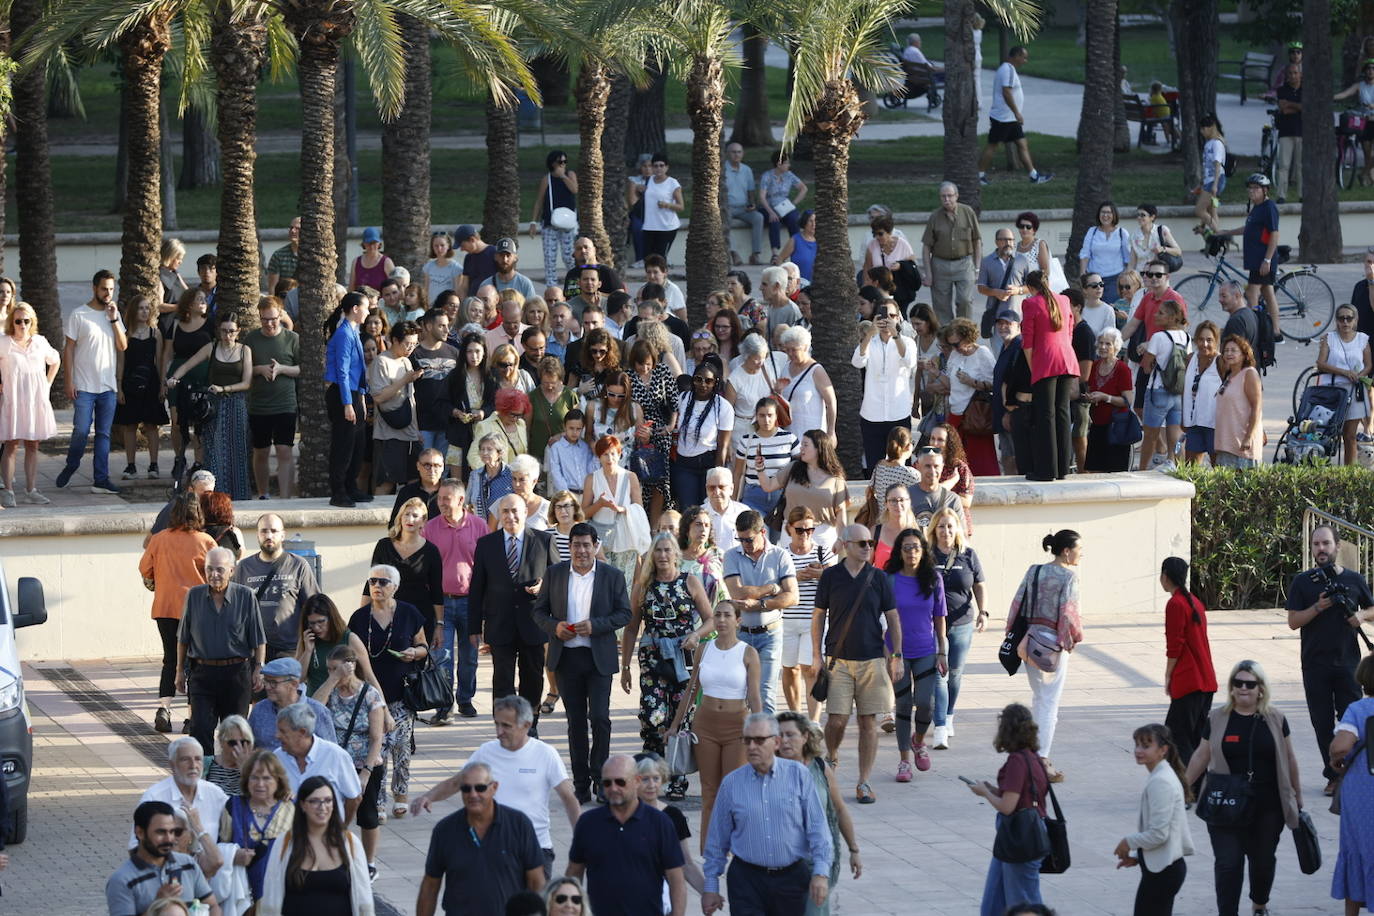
501,210
319,30
752,127
1122,143
593,91
33,195
837,118
343,174
1095,155
142,49
1320,237
405,157
1196,28
614,163
199,152
166,170
960,109
239,49
645,131
705,235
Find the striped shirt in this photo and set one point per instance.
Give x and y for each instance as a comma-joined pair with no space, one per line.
778,451
807,587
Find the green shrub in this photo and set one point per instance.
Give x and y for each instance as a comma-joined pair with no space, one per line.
1247,526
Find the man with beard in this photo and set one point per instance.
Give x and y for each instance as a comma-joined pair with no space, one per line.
153,871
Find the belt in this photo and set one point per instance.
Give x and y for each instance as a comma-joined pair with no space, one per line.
754,631
220,662
959,258
450,595
772,870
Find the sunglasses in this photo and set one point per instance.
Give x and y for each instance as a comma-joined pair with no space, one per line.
615,394
865,545
505,365
1338,318
478,787
1243,684
23,321
805,530
701,335
756,739
1094,285
1025,226
378,580
617,781
560,161
930,450
1156,274
239,742
911,548
568,898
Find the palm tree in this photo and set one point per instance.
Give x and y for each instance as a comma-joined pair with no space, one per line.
959,109
841,44
1096,142
405,156
1320,236
752,126
501,207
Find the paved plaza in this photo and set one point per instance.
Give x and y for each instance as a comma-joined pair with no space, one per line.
925,845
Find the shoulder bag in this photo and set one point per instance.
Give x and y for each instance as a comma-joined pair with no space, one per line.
560,218
1057,862
1225,800
680,747
1008,653
821,689
1022,835
1172,262
426,688
353,717
1125,428
1309,848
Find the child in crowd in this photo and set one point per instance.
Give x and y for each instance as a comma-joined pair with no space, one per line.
568,459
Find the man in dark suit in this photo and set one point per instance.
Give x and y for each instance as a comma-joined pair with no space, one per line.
581,605
507,569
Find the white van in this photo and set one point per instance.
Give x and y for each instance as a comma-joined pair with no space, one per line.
16,728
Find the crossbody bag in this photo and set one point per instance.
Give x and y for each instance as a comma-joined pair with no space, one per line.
821,689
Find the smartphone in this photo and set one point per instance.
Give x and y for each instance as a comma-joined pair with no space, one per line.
396,654
965,779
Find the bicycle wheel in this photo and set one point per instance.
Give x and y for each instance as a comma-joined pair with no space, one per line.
1304,377
1306,304
1198,292
1345,162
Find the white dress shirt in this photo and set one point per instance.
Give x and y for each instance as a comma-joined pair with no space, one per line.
887,381
327,760
579,603
209,803
723,523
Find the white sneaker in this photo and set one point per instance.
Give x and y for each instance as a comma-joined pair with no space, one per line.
949,726
940,740
7,499
36,498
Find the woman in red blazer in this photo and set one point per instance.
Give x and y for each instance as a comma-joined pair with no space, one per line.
1047,341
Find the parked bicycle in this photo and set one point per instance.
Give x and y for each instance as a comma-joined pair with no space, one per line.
1306,302
1349,127
1269,147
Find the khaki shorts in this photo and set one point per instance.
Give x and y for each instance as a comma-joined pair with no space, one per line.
861,685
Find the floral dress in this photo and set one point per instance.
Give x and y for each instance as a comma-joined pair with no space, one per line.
657,399
709,567
668,612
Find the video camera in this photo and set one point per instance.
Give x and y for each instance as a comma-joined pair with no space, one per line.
1334,589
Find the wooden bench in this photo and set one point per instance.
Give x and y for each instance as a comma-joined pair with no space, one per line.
1136,110
1254,66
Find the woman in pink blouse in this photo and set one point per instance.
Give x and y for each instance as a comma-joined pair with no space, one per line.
28,364
1047,341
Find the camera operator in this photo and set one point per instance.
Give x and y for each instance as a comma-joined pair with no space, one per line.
1328,603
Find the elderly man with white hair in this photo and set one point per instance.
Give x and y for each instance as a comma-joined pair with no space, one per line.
723,510
777,307
221,647
185,791
952,247
303,755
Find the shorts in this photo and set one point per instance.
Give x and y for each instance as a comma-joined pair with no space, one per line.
1078,410
393,460
796,642
1005,132
860,686
1199,440
1258,279
1162,409
1227,460
270,429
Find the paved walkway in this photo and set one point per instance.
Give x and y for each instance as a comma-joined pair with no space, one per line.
927,841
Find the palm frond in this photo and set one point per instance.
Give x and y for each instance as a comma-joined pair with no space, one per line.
282,49
63,85
95,25
188,58
381,49
1023,17
619,34
482,36
700,28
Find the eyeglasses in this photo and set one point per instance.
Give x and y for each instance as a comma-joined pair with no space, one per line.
1243,684
864,545
756,739
1156,274
565,506
1338,318
1094,285
568,898
911,548
320,802
378,580
618,781
317,623
478,787
273,320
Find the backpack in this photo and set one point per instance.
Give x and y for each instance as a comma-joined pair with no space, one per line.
1230,164
1265,355
1176,368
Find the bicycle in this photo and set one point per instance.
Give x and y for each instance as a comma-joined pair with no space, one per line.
1348,129
1306,303
1269,147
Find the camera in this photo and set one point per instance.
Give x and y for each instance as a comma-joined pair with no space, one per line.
1334,589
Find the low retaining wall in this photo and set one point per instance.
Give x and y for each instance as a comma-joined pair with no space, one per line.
87,559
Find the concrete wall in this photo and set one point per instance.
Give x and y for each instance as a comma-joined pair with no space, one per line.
98,607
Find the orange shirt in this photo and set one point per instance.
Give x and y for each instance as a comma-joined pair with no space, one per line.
175,561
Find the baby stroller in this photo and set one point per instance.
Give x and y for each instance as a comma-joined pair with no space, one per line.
1315,433
921,80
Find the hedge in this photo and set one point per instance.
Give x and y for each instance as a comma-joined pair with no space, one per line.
1247,526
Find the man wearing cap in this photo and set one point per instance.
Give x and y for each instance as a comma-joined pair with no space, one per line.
1007,332
1001,278
506,276
1294,60
584,253
283,679
281,582
479,259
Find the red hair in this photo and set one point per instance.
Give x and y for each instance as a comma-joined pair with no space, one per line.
605,444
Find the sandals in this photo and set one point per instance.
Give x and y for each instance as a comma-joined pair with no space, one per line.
550,703
863,793
399,808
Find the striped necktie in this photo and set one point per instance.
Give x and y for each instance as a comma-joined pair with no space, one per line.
512,555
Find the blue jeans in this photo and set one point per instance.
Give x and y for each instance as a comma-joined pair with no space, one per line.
755,498
947,688
769,647
1009,883
435,439
455,635
100,408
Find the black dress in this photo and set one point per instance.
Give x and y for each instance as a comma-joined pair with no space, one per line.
422,578
325,893
140,385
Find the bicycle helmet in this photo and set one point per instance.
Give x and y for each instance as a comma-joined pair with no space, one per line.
1295,46
1258,178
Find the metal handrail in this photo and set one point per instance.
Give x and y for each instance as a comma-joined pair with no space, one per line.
1356,548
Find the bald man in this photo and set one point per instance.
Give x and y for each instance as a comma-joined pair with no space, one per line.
221,647
281,582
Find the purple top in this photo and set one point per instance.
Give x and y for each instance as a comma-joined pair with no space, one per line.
917,612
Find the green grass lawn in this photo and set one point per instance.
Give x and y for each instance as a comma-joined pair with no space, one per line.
902,174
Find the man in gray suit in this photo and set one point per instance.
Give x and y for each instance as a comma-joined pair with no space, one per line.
580,606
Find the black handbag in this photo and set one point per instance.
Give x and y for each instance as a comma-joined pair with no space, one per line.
1023,835
1309,848
1225,800
1057,862
1008,653
1125,428
649,464
397,417
426,688
820,690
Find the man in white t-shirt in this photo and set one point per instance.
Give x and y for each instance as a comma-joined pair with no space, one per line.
722,509
95,336
1008,121
525,769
